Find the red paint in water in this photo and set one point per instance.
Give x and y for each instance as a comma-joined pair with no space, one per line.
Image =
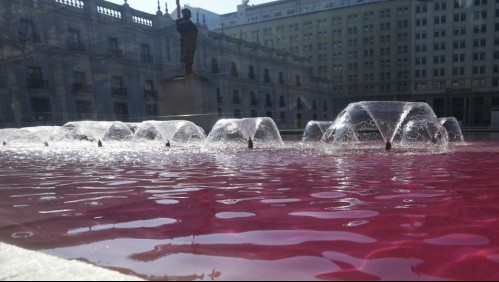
260,214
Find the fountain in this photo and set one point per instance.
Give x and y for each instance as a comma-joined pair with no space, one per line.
118,131
394,123
79,133
246,132
178,131
250,132
453,129
368,124
314,130
37,134
82,131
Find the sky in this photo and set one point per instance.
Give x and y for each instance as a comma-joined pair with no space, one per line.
217,6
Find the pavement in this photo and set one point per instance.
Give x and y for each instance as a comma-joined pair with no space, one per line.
17,264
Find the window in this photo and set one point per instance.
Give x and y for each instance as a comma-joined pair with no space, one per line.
80,77
121,111
479,42
460,17
237,113
113,43
145,53
219,96
40,107
251,73
73,40
478,69
268,100
35,78
282,116
299,120
459,31
254,100
368,16
26,32
152,109
84,110
117,86
478,15
421,22
402,11
282,102
281,78
299,104
236,97
421,9
233,69
112,48
214,66
149,89
266,75
479,56
480,28
80,82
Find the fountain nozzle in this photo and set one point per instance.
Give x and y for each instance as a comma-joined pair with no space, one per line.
250,143
388,146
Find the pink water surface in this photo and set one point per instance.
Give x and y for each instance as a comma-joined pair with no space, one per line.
284,214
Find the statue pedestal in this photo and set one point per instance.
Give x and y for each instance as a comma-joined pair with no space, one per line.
191,98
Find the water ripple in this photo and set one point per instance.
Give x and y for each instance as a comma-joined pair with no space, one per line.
234,214
458,239
408,195
329,195
147,223
275,237
338,214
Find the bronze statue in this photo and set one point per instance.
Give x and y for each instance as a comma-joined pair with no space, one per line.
188,36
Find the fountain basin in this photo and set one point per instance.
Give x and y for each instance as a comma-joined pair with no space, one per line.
292,212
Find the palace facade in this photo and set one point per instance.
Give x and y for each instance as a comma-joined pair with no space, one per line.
94,60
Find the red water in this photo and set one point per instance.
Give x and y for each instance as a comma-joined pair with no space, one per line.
285,214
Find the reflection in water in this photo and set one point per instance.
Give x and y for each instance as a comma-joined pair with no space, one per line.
183,265
234,214
131,224
458,240
292,213
338,214
396,269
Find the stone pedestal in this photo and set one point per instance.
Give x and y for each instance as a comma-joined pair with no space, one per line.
191,98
